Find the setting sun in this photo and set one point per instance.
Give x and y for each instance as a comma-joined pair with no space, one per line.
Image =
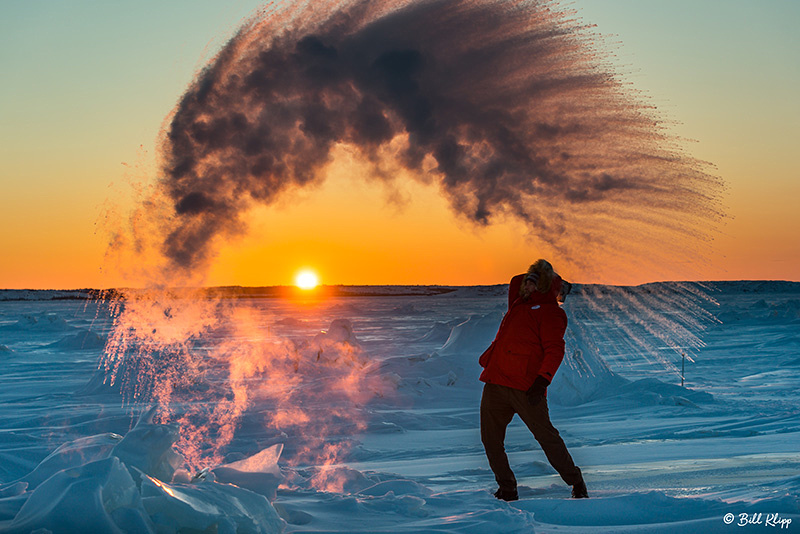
306,279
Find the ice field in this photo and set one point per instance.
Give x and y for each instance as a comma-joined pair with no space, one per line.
363,416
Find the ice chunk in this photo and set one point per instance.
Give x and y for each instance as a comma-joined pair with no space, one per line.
452,378
339,479
208,507
97,497
341,331
10,505
439,333
13,489
259,473
72,454
148,447
265,461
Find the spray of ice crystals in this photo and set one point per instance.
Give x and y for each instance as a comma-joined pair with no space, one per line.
655,327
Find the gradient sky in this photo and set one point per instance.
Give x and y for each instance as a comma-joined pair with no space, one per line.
86,87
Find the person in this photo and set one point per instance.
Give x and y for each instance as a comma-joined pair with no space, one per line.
517,369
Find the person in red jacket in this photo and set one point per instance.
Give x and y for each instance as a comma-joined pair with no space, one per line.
517,368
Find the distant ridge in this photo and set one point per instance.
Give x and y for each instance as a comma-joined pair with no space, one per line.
51,294
232,292
235,292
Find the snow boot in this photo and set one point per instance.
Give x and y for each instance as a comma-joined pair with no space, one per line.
579,490
507,495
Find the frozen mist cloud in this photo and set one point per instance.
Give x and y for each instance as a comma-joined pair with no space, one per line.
513,111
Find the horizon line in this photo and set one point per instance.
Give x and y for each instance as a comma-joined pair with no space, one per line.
321,286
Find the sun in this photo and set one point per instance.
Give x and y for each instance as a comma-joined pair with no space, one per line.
306,279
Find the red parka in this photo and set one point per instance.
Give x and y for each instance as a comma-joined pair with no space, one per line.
530,340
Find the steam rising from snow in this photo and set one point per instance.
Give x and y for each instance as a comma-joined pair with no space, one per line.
206,362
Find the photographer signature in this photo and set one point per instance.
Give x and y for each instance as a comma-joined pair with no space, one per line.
767,520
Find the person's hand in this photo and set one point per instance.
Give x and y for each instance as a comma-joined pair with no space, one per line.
537,391
566,287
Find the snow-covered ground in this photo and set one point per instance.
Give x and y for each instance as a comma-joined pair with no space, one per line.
362,416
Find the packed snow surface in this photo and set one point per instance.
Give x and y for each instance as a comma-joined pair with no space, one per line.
719,454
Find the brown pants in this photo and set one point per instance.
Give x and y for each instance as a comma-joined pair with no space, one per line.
498,406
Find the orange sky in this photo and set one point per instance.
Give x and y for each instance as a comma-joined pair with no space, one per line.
350,234
62,149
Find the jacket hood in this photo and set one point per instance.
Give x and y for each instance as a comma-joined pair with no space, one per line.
551,297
